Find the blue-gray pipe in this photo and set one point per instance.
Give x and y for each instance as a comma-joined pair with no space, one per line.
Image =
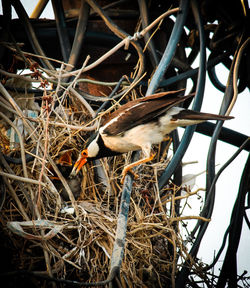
197,102
170,49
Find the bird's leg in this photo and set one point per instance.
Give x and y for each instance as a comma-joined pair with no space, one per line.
166,138
128,168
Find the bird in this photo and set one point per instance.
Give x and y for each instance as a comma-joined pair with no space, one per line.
139,124
64,164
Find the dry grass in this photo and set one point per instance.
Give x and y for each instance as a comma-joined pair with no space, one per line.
79,245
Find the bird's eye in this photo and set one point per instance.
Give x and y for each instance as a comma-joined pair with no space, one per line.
84,153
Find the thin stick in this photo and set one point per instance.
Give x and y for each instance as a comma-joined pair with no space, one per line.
173,234
184,196
20,141
16,107
12,192
83,101
124,42
39,56
182,218
6,105
44,152
235,76
21,77
22,179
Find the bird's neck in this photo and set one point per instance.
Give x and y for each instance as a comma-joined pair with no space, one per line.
104,151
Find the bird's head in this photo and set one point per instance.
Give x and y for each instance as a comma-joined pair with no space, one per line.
90,153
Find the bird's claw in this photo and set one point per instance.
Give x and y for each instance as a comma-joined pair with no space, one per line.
133,174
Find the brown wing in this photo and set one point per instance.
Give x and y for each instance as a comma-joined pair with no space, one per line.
142,111
169,95
193,115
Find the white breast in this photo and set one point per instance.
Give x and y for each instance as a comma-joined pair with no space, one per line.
134,139
143,135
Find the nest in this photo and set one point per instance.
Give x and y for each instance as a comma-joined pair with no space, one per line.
67,230
58,231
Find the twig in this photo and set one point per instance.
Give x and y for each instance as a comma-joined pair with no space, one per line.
21,143
80,71
14,196
22,179
6,105
173,234
83,101
124,42
45,150
182,218
64,125
17,76
45,57
16,107
184,196
235,75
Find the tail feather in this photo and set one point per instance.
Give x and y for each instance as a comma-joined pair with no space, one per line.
194,115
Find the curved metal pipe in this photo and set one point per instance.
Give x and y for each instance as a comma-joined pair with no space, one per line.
144,18
62,29
30,32
197,102
170,49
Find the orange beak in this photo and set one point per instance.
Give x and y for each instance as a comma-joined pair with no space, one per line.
82,159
